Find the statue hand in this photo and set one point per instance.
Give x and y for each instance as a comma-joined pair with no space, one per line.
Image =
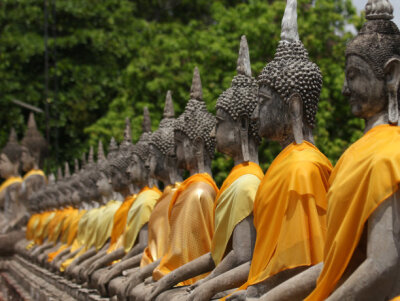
201,293
195,285
154,290
237,296
102,284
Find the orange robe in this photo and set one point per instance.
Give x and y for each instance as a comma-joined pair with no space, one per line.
366,174
119,224
41,232
191,225
31,226
290,212
158,228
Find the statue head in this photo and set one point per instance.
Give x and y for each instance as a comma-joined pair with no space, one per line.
104,170
33,146
236,131
120,162
289,87
373,64
137,171
161,160
10,156
194,144
94,174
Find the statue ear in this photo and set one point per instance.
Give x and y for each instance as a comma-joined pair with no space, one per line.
392,78
199,151
296,117
244,137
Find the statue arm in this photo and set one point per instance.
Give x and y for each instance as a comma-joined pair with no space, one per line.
141,244
117,270
78,260
229,280
374,277
243,240
105,260
200,265
297,287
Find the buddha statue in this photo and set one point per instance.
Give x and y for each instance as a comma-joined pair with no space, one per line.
290,204
361,260
33,148
133,232
112,171
99,225
234,236
161,164
11,219
195,196
9,189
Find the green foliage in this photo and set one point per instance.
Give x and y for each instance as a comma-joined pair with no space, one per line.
116,56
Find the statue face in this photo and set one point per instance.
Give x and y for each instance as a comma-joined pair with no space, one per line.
119,179
27,159
137,171
6,167
155,164
365,91
75,198
272,114
104,185
228,142
184,150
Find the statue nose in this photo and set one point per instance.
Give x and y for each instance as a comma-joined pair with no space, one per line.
345,89
254,115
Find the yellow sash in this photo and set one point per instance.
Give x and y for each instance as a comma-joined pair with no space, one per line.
32,172
233,203
139,215
366,174
105,223
9,182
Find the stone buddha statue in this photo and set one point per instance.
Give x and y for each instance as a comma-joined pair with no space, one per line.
107,171
9,190
33,148
101,223
133,232
161,164
290,204
12,215
361,258
194,197
234,236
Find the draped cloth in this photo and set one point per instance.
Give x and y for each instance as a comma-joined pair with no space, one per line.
9,182
86,235
191,225
119,224
33,172
158,228
234,202
366,174
57,223
41,231
139,215
104,223
290,212
31,226
69,219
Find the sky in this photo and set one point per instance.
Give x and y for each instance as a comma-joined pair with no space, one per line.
360,4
